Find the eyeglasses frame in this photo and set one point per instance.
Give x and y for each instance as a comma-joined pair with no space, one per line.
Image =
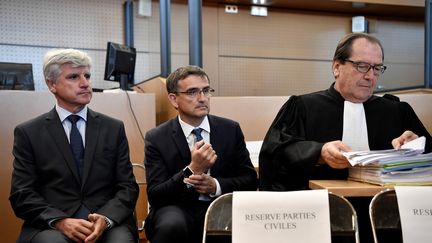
197,91
376,72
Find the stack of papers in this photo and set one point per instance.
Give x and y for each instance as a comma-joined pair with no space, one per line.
405,166
408,151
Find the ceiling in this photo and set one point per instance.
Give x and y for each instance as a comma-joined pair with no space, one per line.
412,10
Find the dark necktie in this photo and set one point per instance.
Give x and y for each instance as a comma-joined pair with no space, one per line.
77,146
76,143
197,131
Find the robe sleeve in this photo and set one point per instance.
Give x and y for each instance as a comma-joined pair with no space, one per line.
286,158
413,123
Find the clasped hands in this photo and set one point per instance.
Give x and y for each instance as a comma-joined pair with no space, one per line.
81,230
203,158
331,152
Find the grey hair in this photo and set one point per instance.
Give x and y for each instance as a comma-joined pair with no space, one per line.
55,58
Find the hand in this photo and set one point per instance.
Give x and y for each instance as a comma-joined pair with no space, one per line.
403,139
203,157
331,154
203,183
75,229
99,225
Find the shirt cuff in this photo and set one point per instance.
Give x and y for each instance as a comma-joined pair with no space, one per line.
51,223
218,189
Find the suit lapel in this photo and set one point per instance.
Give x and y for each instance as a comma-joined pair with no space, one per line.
57,132
216,140
92,135
180,140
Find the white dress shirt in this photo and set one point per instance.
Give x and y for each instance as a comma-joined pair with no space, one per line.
191,139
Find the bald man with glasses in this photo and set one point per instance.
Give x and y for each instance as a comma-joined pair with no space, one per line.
191,160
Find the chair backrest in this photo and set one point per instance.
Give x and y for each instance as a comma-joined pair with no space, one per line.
218,220
141,208
139,172
343,220
385,218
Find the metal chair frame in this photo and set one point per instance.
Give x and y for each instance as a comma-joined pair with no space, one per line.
384,216
140,223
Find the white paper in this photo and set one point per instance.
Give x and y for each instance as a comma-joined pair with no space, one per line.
417,144
254,148
415,209
280,217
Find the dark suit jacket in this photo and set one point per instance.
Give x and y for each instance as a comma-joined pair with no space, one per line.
45,181
167,153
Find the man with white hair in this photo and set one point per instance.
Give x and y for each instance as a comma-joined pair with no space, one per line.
72,179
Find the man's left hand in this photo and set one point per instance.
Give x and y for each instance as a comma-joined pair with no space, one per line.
203,183
403,139
99,225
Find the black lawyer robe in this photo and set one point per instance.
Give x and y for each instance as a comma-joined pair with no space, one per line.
292,146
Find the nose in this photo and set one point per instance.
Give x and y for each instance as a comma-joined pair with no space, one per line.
370,74
84,81
84,84
200,94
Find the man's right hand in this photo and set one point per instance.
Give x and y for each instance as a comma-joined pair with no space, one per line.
75,229
203,157
331,154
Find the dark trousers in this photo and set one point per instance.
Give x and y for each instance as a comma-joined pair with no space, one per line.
176,223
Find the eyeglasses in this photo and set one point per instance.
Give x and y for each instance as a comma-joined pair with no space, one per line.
364,67
194,92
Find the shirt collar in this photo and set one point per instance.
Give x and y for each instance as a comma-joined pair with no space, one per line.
63,113
187,129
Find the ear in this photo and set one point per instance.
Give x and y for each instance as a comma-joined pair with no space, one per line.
173,99
335,68
51,86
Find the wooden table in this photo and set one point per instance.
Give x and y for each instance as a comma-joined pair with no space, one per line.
347,188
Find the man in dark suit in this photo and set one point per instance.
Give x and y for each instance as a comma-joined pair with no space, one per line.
190,160
72,179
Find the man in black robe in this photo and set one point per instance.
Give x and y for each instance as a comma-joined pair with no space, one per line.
304,141
310,132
